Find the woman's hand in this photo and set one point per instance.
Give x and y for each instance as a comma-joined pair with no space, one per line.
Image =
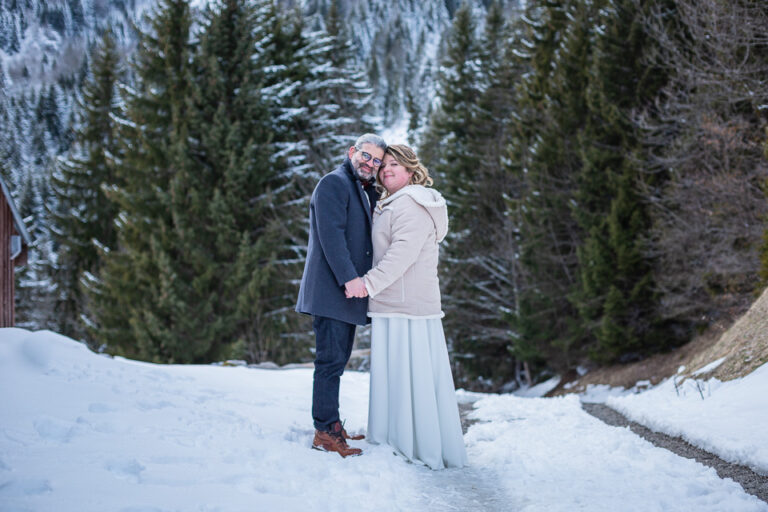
355,289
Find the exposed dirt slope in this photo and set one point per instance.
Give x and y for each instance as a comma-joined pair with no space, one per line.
743,344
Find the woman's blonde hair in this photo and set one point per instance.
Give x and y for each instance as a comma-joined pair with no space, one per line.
406,157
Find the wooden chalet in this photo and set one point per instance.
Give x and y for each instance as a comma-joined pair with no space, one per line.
14,242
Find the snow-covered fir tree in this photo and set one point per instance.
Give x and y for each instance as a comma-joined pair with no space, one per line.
82,216
135,299
239,196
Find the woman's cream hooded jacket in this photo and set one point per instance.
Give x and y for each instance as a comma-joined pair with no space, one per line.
407,228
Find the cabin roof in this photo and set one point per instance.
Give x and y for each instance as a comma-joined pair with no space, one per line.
17,220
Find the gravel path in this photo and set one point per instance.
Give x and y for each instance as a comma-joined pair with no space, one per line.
754,484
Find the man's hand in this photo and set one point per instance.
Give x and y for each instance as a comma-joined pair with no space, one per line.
355,289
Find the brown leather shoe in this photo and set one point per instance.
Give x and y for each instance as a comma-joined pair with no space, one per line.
358,437
334,442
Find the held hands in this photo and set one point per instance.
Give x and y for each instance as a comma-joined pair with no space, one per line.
355,289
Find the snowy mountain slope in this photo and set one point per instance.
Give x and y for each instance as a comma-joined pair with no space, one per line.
41,40
400,42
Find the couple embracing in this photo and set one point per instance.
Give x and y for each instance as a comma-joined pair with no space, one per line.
375,226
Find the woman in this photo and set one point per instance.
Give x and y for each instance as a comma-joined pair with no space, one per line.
412,397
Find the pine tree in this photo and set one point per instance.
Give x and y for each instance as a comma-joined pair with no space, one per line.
14,45
204,244
320,102
332,102
450,152
527,345
283,40
240,192
551,109
481,272
615,296
35,291
347,94
30,153
136,301
445,148
48,114
83,217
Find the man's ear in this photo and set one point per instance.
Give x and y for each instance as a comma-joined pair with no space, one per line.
351,152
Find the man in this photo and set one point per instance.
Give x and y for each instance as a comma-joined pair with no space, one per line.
338,253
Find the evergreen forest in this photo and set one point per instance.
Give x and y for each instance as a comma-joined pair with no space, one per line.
605,164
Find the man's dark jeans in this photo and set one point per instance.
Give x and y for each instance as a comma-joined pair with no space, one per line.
334,340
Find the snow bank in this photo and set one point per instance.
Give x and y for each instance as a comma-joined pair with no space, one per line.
725,418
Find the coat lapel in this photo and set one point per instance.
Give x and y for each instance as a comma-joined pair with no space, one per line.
361,194
366,202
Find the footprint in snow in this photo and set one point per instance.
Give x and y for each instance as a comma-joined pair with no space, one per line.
101,408
25,487
126,469
55,430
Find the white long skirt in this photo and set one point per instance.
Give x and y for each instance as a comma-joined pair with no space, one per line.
412,404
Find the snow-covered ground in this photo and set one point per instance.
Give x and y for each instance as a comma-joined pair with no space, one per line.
729,419
85,432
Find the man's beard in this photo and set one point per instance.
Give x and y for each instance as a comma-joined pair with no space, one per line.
364,176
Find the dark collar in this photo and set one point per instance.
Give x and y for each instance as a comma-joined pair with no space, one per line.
348,167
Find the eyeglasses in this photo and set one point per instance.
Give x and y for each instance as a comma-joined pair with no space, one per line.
367,157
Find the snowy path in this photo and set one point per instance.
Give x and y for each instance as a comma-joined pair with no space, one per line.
751,482
81,432
470,489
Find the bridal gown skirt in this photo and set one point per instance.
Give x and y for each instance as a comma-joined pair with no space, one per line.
412,404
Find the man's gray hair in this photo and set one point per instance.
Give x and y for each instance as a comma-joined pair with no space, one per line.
370,138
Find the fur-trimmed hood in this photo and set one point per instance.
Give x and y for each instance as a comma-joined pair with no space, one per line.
428,198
